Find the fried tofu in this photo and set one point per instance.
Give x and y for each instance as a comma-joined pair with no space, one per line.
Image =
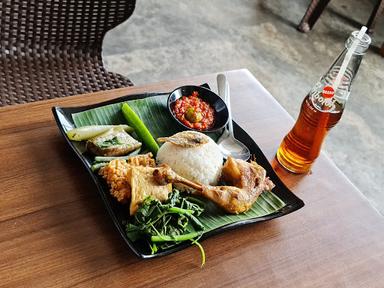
143,185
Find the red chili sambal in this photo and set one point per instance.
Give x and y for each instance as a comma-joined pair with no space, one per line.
194,112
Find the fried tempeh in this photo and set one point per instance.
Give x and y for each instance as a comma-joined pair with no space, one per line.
142,160
117,175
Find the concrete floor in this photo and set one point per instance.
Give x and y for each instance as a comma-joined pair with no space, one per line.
171,39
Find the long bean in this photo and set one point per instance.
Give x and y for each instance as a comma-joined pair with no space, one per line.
97,166
140,129
176,238
180,210
110,158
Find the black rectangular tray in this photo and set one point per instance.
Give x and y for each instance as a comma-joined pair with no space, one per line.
119,214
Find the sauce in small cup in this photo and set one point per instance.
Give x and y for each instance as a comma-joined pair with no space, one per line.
198,108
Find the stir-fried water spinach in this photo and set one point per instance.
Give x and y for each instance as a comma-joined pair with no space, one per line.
167,224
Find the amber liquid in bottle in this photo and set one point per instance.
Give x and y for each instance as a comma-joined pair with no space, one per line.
302,145
321,109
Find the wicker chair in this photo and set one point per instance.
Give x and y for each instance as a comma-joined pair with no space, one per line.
52,48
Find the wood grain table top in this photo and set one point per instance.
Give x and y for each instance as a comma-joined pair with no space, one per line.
55,232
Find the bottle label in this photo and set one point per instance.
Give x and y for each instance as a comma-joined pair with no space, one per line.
328,92
323,99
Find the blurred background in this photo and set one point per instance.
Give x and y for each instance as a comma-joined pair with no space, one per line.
170,39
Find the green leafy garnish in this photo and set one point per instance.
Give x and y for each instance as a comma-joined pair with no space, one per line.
110,142
167,224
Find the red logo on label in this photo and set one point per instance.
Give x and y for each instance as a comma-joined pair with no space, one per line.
328,92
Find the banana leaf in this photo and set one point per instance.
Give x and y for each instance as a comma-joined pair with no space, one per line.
154,113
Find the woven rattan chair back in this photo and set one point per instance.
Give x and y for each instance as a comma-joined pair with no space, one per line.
52,48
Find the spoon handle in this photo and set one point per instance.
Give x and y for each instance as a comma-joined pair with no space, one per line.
221,79
228,102
223,90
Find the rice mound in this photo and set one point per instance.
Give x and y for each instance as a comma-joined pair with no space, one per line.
201,164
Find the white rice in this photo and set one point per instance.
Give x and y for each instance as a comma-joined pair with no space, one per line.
200,164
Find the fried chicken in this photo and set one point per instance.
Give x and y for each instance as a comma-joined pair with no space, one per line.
248,179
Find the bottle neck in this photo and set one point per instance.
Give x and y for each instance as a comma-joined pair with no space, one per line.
342,92
349,74
362,44
324,96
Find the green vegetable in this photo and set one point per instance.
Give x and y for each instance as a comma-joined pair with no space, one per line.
110,142
88,132
140,128
167,224
202,252
177,238
110,158
97,166
180,210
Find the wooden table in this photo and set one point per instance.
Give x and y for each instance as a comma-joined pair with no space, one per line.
54,230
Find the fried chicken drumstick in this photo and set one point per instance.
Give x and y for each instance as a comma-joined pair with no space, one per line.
248,179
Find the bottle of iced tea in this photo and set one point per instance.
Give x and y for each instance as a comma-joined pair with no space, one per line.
322,107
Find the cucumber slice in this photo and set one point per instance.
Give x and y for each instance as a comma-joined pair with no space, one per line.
87,132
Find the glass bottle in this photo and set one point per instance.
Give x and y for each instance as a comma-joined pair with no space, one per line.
320,111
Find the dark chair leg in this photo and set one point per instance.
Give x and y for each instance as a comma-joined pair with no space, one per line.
377,11
313,13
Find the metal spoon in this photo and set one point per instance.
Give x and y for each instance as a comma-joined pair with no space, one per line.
227,142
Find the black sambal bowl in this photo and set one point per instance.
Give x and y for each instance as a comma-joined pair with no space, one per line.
221,111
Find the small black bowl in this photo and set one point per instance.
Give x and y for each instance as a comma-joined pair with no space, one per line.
221,111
